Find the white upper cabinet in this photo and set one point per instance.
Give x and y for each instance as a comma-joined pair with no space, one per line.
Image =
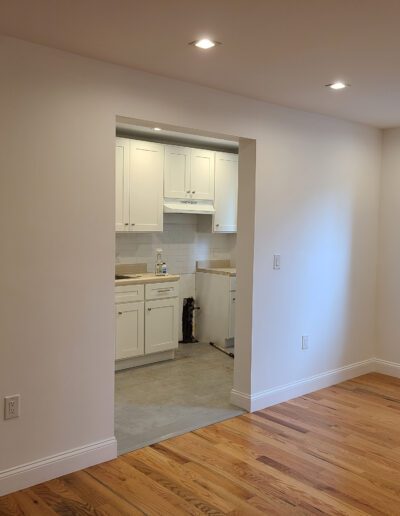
139,172
177,172
122,184
202,174
188,173
226,193
146,171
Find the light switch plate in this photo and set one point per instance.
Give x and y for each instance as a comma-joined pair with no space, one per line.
277,261
304,342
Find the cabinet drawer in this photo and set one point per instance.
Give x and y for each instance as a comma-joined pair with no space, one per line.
232,284
162,290
129,293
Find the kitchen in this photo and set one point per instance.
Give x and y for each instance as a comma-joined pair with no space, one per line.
176,210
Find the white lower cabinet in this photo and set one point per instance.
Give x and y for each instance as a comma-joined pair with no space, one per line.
161,325
147,322
216,297
130,330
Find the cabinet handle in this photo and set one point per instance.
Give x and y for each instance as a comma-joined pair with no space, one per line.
149,309
164,289
126,223
132,223
217,225
119,313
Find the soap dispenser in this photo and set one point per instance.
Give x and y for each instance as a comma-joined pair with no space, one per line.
159,263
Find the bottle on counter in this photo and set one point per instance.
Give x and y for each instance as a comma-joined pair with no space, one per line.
164,268
159,263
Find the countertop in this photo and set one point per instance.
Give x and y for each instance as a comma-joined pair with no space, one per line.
145,277
227,271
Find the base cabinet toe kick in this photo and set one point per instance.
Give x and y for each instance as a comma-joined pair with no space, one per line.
147,323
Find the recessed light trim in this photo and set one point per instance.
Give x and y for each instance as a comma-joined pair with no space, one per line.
337,85
204,43
157,129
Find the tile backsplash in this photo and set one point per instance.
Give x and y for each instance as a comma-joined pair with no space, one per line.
182,244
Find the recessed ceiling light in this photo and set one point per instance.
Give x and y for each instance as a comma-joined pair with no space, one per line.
204,43
338,85
157,128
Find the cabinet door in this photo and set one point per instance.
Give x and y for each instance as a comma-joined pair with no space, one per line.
202,174
122,184
161,325
232,312
130,330
226,193
177,172
146,186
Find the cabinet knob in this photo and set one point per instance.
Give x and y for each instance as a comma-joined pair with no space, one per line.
126,223
217,225
193,191
132,223
187,191
119,313
149,309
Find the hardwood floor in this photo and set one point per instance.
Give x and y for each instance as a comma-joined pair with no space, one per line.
336,451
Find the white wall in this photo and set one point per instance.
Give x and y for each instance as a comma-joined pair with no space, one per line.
316,203
389,256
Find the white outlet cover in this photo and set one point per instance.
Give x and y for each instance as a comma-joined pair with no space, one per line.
12,406
304,342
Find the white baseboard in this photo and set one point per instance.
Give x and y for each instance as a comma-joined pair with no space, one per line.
269,397
26,475
240,399
38,471
386,367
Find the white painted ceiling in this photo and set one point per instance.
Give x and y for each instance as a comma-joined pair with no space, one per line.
175,137
282,51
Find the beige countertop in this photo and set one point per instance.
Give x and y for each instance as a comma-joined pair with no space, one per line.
145,277
228,271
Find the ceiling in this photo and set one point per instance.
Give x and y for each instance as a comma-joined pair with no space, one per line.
283,51
175,137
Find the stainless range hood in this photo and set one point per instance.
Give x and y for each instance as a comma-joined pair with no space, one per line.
189,206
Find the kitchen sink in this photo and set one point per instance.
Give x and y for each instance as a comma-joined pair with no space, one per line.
127,276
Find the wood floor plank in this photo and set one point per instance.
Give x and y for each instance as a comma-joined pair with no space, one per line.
144,494
28,503
99,496
334,451
160,469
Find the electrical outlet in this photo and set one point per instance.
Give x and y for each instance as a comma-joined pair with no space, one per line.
11,406
304,342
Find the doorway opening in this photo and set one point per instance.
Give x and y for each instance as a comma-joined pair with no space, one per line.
177,198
